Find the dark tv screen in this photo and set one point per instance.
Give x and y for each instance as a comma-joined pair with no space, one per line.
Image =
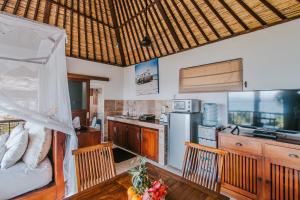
276,109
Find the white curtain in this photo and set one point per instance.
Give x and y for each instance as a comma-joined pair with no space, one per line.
33,80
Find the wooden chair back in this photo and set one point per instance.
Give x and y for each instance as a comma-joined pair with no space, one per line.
94,165
203,165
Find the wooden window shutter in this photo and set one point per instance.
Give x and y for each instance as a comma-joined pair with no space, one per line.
215,77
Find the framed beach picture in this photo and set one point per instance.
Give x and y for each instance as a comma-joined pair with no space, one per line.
146,77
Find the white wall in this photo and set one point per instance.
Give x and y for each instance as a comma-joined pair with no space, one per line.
271,60
112,89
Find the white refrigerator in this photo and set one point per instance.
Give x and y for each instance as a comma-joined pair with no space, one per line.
183,127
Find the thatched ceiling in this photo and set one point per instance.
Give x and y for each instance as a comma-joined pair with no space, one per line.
110,31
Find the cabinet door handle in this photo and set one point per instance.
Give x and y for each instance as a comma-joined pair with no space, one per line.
238,144
293,155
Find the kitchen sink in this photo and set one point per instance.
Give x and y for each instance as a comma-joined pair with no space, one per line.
127,117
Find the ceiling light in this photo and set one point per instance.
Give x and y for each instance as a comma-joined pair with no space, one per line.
146,42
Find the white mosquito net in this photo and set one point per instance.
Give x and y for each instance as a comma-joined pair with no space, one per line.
33,80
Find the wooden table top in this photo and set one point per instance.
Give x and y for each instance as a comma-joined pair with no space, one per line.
178,187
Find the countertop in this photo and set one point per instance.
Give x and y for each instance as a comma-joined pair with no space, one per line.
155,124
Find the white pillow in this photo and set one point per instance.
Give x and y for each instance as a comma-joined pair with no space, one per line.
15,131
39,143
3,138
15,149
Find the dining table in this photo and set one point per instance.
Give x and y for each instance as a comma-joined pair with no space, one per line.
179,188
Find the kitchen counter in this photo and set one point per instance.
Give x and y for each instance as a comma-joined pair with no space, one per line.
155,124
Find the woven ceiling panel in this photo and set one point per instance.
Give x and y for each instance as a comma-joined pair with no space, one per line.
110,31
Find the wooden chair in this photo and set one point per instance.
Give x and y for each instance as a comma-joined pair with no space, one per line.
94,165
203,165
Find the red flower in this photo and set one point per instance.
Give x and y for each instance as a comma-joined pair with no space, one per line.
157,191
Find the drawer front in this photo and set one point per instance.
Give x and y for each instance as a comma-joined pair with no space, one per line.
207,133
241,144
283,154
209,143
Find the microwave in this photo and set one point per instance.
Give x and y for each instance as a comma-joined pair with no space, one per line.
186,105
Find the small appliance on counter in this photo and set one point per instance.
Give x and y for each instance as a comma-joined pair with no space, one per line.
183,124
186,105
164,118
147,117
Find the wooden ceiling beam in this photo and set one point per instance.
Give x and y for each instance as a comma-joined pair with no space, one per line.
37,9
150,27
110,34
4,5
71,28
236,17
127,32
164,32
194,20
65,15
249,10
139,48
80,13
177,24
159,34
169,24
57,16
27,8
139,27
140,12
98,29
185,22
205,19
140,19
16,7
122,31
104,31
219,17
274,10
92,29
87,77
100,33
117,31
47,10
136,43
85,32
78,29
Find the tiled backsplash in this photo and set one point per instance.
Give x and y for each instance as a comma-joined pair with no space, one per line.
134,107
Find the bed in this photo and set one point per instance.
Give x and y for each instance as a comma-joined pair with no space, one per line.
24,179
44,182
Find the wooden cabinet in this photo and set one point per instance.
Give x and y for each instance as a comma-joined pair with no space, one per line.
134,138
259,168
140,140
282,172
89,137
117,133
125,135
149,143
